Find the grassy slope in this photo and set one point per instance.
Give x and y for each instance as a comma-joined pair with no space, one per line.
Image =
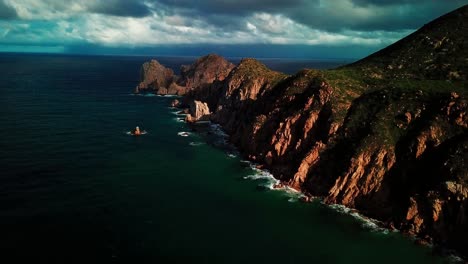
432,61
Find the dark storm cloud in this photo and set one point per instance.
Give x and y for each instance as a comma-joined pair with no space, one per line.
367,15
227,14
385,2
6,12
139,23
124,8
334,16
233,7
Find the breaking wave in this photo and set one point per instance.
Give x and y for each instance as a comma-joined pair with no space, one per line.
366,222
144,132
168,95
183,134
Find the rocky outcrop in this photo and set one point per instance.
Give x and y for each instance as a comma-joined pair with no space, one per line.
198,111
175,103
204,71
199,76
154,77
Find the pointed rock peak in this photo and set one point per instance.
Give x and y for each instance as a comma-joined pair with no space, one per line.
205,70
155,62
251,62
210,59
212,56
250,66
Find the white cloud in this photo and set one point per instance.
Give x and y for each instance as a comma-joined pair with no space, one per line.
47,9
57,22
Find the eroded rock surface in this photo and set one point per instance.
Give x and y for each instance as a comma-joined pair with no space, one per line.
198,111
154,77
387,135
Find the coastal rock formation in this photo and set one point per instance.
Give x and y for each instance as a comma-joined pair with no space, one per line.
154,77
200,76
175,103
204,71
387,135
204,78
198,111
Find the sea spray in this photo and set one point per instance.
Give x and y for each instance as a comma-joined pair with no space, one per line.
183,133
365,222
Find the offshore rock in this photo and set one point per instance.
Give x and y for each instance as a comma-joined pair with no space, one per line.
175,103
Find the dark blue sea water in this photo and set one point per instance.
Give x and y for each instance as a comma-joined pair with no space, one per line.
75,188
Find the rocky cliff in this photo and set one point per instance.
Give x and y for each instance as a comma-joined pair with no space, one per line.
387,135
204,71
155,78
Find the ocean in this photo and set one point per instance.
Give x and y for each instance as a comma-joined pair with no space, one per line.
76,188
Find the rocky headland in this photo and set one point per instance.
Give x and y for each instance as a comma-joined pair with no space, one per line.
387,135
156,78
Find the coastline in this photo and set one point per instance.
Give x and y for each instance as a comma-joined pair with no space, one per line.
385,135
368,223
228,103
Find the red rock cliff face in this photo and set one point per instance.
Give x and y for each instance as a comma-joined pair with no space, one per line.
387,142
205,71
396,154
155,77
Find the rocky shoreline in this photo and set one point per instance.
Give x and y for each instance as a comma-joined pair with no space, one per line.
387,135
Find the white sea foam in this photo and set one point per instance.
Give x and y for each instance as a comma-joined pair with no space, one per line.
183,134
260,176
292,194
168,95
295,195
232,155
153,95
130,133
366,222
178,113
453,258
268,181
196,144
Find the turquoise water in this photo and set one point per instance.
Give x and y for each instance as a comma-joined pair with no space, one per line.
75,188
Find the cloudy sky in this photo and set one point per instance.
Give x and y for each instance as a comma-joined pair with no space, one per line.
310,28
